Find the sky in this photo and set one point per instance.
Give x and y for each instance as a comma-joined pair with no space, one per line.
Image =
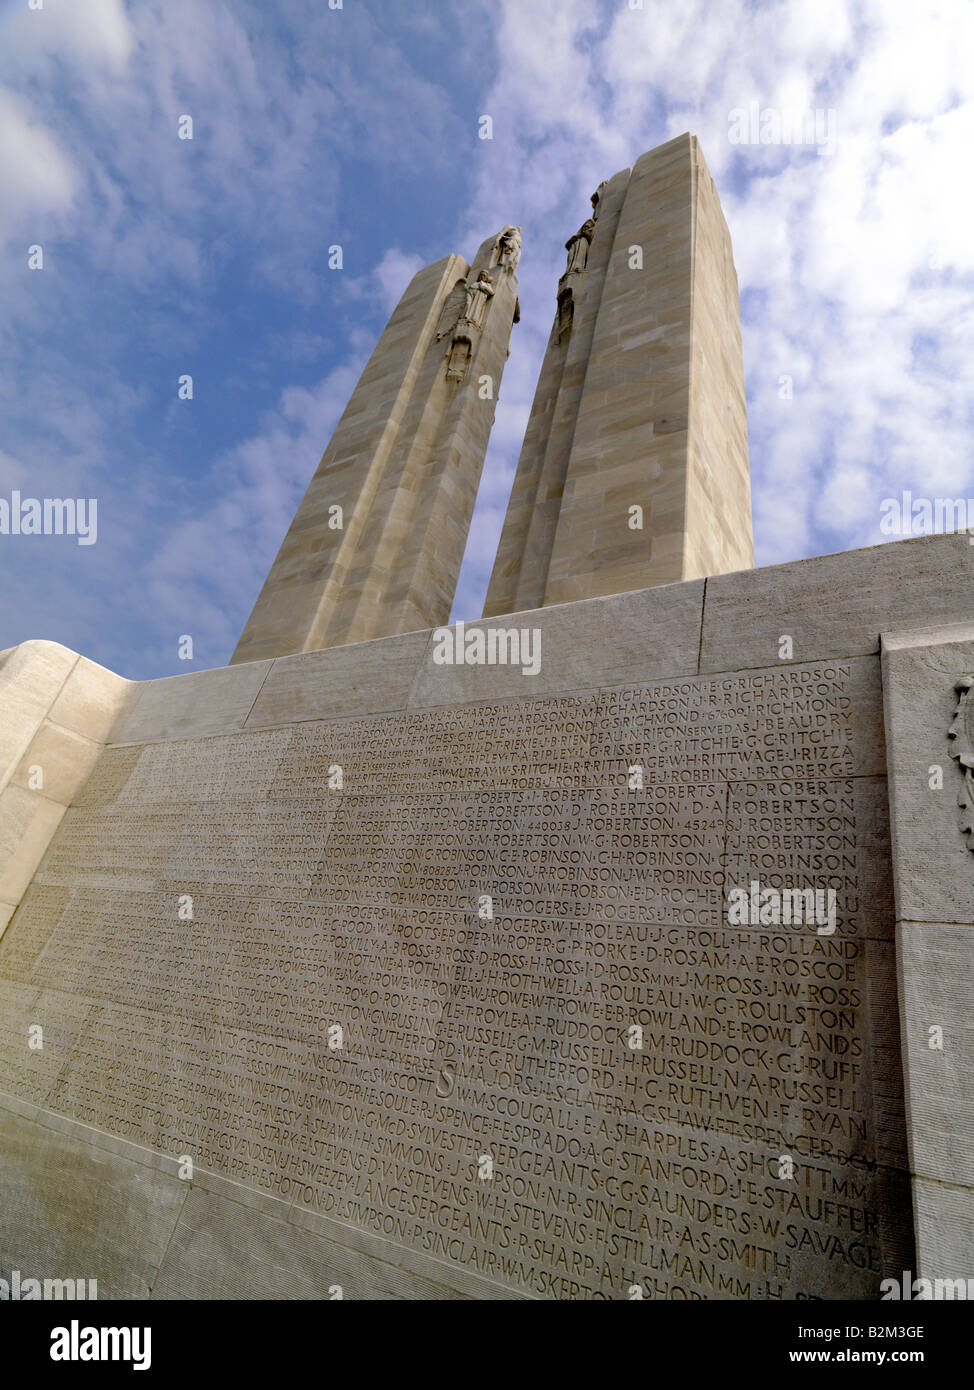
359,126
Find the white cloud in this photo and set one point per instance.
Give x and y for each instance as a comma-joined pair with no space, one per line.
36,176
394,273
97,33
856,268
861,260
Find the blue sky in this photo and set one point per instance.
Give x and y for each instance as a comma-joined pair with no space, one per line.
359,127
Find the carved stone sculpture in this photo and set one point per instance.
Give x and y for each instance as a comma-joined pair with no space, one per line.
478,295
458,358
577,247
962,734
566,313
469,325
509,247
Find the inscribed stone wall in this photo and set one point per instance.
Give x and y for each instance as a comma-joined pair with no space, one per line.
475,1043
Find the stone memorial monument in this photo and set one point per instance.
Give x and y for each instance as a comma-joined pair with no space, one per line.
376,545
617,949
640,403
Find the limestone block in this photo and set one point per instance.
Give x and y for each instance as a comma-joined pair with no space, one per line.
7,910
945,1220
65,759
936,976
933,863
622,639
69,1210
199,702
31,677
362,678
836,605
91,700
27,822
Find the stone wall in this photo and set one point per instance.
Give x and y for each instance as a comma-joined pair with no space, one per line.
930,728
480,908
57,710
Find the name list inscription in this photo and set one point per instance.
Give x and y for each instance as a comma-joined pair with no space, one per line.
482,998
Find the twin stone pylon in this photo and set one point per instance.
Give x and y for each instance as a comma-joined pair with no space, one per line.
634,467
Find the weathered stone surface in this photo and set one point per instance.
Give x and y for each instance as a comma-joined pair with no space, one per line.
468,1038
90,701
403,466
61,759
27,822
31,1072
836,605
602,642
934,866
937,983
223,1250
929,737
944,1222
640,402
363,678
199,702
71,1210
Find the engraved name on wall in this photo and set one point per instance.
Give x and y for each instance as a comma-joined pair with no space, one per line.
482,999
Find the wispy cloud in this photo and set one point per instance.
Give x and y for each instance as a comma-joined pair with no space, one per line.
856,268
210,257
